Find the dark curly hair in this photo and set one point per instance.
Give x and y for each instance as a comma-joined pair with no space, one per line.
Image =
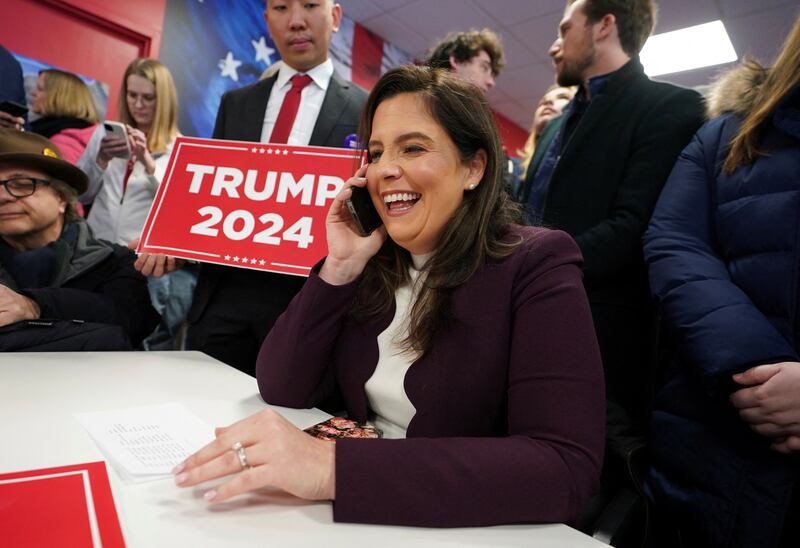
464,46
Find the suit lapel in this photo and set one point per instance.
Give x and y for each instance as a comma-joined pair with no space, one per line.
332,108
256,109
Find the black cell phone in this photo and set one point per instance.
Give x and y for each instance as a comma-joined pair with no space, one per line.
14,109
363,210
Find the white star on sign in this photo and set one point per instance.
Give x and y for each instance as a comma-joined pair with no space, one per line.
285,152
236,259
253,261
262,262
263,51
245,259
227,257
254,149
228,67
261,151
269,151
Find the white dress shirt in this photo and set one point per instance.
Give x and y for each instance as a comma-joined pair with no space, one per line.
310,102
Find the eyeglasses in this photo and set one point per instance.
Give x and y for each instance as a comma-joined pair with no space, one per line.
21,187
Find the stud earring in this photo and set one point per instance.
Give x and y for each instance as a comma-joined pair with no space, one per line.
472,186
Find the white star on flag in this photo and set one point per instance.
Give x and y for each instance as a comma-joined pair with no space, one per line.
245,259
228,67
263,51
236,259
285,152
227,257
253,261
262,262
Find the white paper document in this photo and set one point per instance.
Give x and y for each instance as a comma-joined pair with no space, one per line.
145,443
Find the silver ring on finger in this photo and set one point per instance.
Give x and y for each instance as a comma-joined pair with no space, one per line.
241,455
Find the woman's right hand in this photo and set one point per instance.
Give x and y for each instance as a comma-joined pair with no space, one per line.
111,147
348,251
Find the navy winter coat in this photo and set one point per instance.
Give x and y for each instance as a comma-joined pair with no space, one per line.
724,259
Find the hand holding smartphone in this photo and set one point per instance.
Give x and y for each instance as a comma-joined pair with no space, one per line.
118,130
14,109
12,115
363,210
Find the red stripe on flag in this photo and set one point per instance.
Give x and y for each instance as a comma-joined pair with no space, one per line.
367,57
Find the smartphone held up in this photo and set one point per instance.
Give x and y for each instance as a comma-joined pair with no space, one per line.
119,130
363,210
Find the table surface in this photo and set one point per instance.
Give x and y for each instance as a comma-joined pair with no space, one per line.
40,392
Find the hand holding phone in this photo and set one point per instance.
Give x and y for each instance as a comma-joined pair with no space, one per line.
348,249
12,115
119,146
363,210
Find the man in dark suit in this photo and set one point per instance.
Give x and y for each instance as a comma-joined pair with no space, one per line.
234,309
597,173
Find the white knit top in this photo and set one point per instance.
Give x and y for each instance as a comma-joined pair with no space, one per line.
392,411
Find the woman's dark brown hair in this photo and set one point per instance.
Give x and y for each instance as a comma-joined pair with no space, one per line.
782,78
479,229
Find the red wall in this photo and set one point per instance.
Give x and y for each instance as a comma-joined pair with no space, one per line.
511,134
97,38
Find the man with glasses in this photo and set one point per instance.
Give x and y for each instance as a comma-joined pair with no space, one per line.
60,288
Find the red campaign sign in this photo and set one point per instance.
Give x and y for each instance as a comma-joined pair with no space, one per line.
249,205
63,506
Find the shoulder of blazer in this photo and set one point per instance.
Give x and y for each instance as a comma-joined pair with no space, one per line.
342,106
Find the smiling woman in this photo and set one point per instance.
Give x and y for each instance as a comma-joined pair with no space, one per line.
462,335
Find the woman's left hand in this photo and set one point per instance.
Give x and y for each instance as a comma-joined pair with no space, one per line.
139,151
278,453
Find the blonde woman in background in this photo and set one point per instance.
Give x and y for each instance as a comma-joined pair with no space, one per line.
68,116
550,106
122,189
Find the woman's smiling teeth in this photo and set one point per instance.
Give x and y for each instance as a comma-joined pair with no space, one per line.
398,201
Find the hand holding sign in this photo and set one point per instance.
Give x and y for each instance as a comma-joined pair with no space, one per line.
250,205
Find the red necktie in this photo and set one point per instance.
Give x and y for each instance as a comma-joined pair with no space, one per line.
288,112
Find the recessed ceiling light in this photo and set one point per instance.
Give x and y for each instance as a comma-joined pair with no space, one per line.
685,49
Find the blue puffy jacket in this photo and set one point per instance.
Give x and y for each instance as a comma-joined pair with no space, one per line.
724,259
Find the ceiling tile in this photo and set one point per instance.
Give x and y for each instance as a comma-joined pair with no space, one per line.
359,10
538,33
449,16
517,53
761,34
735,8
509,12
401,35
697,78
678,14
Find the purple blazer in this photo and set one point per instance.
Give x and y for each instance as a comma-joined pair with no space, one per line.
510,401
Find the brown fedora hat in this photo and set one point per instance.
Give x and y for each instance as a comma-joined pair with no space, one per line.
32,150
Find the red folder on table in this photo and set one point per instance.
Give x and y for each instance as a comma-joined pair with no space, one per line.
63,506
